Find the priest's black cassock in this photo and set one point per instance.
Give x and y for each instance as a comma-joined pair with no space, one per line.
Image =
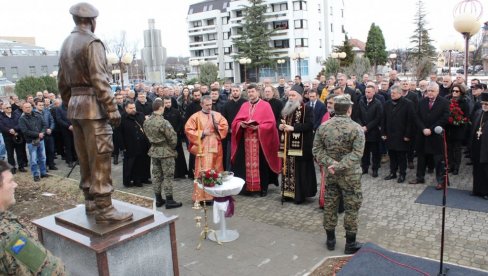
174,118
479,153
229,111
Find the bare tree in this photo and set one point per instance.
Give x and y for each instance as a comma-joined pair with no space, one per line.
120,45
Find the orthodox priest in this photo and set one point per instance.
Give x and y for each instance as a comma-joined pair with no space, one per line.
254,144
296,136
479,149
205,131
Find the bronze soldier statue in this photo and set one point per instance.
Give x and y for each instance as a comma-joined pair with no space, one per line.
83,81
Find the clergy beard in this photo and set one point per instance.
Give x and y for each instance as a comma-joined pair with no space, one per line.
290,107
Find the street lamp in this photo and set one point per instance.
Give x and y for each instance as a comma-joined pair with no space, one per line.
121,62
245,62
341,56
299,56
280,62
393,58
449,47
466,16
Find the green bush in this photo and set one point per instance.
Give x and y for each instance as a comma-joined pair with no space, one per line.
29,86
209,73
51,84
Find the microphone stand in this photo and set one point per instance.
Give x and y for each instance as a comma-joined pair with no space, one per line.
442,271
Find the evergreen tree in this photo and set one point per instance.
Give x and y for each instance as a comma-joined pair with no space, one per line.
28,85
51,84
209,73
254,40
375,47
346,48
420,39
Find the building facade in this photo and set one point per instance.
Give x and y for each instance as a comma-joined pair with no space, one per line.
310,28
19,60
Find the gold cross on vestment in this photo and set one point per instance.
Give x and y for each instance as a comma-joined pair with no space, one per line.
479,132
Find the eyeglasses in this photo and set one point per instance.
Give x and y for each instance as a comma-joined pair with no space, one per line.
484,103
455,91
7,107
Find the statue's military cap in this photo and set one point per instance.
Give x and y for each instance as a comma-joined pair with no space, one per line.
84,9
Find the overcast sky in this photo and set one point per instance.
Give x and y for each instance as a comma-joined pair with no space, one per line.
50,22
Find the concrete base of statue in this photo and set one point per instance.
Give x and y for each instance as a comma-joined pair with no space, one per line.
146,245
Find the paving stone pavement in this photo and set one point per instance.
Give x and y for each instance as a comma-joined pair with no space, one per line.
288,239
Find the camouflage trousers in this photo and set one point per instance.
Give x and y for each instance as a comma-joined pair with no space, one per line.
163,170
349,185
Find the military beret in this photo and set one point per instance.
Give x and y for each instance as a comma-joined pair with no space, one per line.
343,99
297,88
484,97
84,9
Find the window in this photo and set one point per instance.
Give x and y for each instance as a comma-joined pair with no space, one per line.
213,52
228,50
225,35
191,11
199,53
198,38
210,22
320,10
320,42
301,24
225,5
284,43
212,37
2,69
331,11
299,6
15,72
32,70
320,26
301,42
238,13
331,28
343,29
225,20
239,30
280,25
279,7
342,13
197,24
303,67
229,66
205,8
44,70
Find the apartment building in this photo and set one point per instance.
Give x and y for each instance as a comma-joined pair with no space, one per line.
305,33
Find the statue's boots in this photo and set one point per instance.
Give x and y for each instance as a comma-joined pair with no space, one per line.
90,206
107,214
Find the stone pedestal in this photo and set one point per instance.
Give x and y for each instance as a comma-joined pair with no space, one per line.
146,245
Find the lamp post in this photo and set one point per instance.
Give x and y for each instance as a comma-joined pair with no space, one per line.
245,62
299,56
339,56
449,47
280,62
466,16
393,58
121,62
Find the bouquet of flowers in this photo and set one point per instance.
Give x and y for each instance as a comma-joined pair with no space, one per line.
210,178
456,116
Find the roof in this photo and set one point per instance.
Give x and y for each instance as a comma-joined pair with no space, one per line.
208,6
356,43
12,48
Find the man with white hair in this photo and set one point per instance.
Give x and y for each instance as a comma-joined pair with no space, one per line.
296,136
445,88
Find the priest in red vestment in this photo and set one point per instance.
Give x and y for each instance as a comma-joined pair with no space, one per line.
255,144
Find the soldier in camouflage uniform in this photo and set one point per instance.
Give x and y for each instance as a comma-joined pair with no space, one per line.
20,254
163,140
338,146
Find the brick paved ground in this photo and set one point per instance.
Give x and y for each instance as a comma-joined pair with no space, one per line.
288,239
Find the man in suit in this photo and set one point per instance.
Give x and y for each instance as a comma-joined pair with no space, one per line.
370,114
318,108
433,111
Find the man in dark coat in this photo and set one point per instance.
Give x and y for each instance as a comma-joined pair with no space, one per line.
414,98
13,138
229,111
370,115
269,95
143,105
193,108
217,103
119,100
136,145
433,111
173,116
479,149
397,131
318,108
341,82
64,125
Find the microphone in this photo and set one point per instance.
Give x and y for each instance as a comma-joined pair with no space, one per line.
438,130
